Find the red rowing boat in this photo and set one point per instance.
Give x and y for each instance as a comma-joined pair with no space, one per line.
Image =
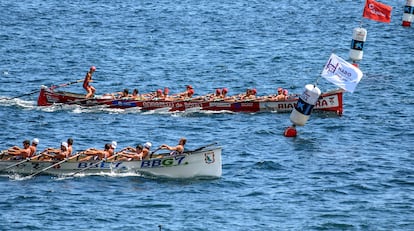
330,101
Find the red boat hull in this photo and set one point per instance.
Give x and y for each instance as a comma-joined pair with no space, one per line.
330,102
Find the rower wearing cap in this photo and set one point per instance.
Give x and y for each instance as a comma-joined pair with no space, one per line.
86,82
218,94
63,151
111,151
285,93
190,91
166,92
224,92
146,150
33,147
158,95
55,154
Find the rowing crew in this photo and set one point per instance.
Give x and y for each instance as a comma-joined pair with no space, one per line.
220,94
140,152
157,95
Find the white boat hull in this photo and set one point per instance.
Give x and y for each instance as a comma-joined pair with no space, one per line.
203,163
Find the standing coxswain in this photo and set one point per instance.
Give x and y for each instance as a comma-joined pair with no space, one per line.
86,83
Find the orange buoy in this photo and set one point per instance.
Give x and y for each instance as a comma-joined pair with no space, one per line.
408,15
290,131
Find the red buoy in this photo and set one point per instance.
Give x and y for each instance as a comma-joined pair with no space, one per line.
355,65
290,131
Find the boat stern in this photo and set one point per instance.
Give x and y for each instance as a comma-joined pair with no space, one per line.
42,99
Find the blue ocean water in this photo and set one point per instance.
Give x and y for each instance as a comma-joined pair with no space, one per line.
353,172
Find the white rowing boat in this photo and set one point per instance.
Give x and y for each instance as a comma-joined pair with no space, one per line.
202,162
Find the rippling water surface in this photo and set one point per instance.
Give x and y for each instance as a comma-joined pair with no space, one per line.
353,172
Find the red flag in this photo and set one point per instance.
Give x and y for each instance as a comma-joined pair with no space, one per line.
377,11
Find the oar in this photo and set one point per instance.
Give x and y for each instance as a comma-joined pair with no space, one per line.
53,165
92,165
150,156
30,93
21,162
203,147
66,84
53,87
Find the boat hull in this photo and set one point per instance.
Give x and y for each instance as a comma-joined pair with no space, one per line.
329,102
204,163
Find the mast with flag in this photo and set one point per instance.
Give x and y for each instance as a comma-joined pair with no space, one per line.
373,10
338,71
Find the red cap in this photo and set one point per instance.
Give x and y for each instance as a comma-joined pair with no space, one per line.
93,68
279,89
254,91
217,91
166,90
225,90
189,86
159,91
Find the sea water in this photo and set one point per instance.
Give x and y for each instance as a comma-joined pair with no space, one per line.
353,172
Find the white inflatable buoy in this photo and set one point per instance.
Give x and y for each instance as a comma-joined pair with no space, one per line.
408,15
305,104
359,36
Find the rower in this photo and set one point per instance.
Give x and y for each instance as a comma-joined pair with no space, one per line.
135,95
146,150
218,94
130,153
124,94
19,153
166,92
176,150
33,147
70,146
158,95
96,154
50,154
188,94
224,93
280,96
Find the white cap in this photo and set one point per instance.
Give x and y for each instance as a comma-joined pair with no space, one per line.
148,145
113,144
64,144
35,141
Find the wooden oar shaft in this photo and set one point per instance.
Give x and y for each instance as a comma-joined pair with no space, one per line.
203,147
30,93
53,165
66,84
33,92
